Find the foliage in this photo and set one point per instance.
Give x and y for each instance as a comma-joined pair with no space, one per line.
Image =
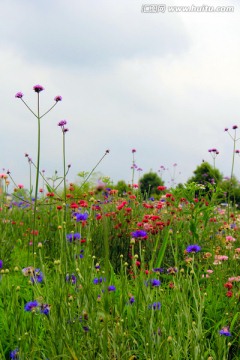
206,174
149,183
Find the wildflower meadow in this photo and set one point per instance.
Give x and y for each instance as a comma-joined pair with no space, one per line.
88,271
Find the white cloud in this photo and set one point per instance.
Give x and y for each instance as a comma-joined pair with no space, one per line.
165,84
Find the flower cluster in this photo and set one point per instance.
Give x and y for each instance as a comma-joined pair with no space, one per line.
33,306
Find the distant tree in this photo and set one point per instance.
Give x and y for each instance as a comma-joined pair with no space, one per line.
149,183
230,191
205,173
122,187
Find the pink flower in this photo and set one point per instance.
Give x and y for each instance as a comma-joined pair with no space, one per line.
20,186
234,278
229,238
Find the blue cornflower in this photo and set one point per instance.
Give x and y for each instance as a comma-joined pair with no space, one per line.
72,237
155,306
225,331
193,248
158,270
1,264
45,309
80,216
98,280
37,277
71,278
111,288
153,282
14,354
139,234
31,305
131,300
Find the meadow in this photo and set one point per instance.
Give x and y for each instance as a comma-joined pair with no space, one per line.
89,272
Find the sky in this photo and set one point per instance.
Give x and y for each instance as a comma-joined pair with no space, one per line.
164,83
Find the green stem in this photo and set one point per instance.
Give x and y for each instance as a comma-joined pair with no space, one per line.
37,175
231,178
64,177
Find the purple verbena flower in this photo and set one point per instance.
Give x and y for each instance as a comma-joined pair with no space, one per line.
1,264
62,123
58,98
19,95
38,88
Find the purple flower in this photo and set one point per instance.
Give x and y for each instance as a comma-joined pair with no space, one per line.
1,264
86,328
45,309
153,282
31,305
71,278
38,88
58,98
14,354
111,288
72,237
139,234
98,280
19,95
62,123
80,216
193,248
158,270
235,127
155,306
225,331
131,300
37,277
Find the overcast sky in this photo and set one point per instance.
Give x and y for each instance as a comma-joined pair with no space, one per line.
165,84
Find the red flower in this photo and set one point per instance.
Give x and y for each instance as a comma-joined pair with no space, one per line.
50,194
229,293
73,206
228,285
161,188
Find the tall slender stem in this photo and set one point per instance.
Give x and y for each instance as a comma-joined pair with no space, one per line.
37,171
64,177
